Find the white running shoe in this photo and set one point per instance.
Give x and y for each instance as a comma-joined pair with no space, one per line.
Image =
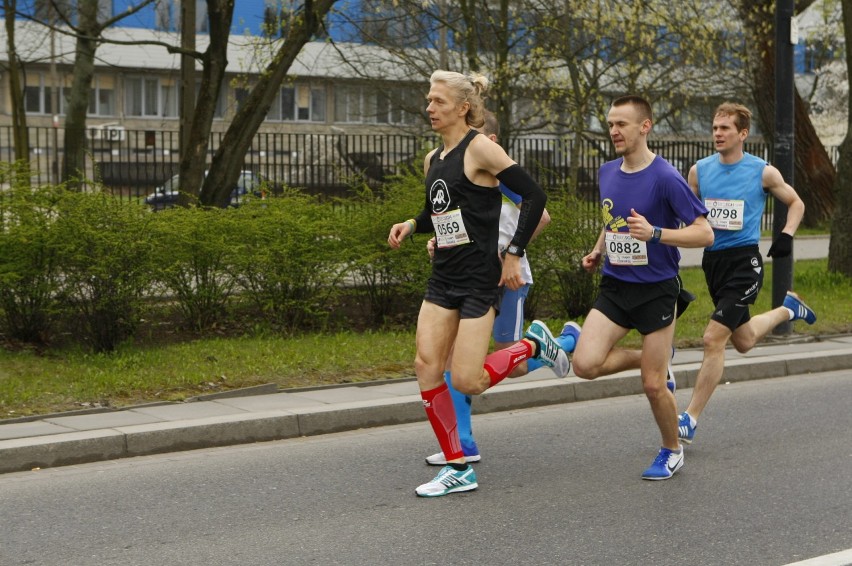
439,460
449,481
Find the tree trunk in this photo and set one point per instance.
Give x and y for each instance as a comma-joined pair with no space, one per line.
19,114
814,173
225,169
193,159
840,245
74,167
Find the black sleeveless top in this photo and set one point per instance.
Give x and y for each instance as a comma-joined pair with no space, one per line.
473,265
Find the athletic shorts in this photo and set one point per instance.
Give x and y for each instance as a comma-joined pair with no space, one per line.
734,278
471,303
509,324
647,307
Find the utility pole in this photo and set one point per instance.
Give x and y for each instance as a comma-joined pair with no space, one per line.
786,35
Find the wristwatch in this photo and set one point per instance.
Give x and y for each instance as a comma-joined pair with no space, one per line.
515,250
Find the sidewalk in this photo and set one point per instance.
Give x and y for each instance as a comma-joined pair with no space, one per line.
74,438
263,413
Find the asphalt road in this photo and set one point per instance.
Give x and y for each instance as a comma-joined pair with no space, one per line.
768,481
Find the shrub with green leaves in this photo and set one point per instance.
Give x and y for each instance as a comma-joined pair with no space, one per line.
192,254
29,276
289,258
105,252
389,282
562,287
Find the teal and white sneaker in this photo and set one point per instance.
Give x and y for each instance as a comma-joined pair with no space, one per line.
549,351
665,465
801,311
449,480
685,430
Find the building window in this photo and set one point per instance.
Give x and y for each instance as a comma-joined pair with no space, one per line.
102,97
168,14
301,103
38,97
148,97
370,105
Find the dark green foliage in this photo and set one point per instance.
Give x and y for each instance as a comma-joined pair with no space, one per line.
29,277
390,283
288,258
104,248
562,287
192,251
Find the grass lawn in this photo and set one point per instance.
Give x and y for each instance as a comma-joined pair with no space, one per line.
39,383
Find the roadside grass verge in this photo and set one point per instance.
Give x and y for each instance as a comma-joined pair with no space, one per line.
33,383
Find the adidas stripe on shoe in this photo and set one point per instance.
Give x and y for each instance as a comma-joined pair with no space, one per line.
549,351
449,480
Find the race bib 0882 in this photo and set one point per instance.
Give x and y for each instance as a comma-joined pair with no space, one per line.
624,249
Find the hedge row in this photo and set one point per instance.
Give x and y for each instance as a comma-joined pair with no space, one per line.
96,266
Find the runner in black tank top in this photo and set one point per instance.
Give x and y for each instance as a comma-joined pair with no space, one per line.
475,264
463,211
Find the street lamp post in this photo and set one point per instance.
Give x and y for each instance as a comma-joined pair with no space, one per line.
786,35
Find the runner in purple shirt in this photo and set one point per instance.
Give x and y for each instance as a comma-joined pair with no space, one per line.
648,211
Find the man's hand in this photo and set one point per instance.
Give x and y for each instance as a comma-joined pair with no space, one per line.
782,246
398,232
591,260
430,248
639,226
512,277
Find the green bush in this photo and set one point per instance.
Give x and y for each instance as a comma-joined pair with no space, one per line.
390,283
289,258
105,257
562,288
192,254
29,275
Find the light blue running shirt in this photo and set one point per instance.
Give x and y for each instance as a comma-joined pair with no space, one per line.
731,183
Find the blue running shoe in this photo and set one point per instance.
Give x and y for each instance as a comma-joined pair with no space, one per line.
449,480
549,351
801,311
570,330
670,377
665,465
685,430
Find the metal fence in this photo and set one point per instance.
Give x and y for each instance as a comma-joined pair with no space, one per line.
131,163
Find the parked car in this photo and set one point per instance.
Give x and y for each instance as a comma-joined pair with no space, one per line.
166,195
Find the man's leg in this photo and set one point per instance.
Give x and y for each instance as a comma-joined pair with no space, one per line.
656,352
436,330
712,367
595,354
749,334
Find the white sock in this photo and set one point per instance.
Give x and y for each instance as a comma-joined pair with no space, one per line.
692,422
792,313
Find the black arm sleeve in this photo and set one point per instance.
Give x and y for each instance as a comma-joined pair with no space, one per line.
424,222
533,200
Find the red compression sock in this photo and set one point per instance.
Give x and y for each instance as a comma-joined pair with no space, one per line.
500,364
438,404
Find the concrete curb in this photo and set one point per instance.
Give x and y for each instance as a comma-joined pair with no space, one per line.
80,447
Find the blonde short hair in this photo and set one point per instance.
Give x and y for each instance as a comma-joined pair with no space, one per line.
467,88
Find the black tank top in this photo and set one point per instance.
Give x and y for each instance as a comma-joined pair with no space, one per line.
473,265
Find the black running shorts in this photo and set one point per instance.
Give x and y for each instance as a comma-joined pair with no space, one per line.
734,278
647,307
471,303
